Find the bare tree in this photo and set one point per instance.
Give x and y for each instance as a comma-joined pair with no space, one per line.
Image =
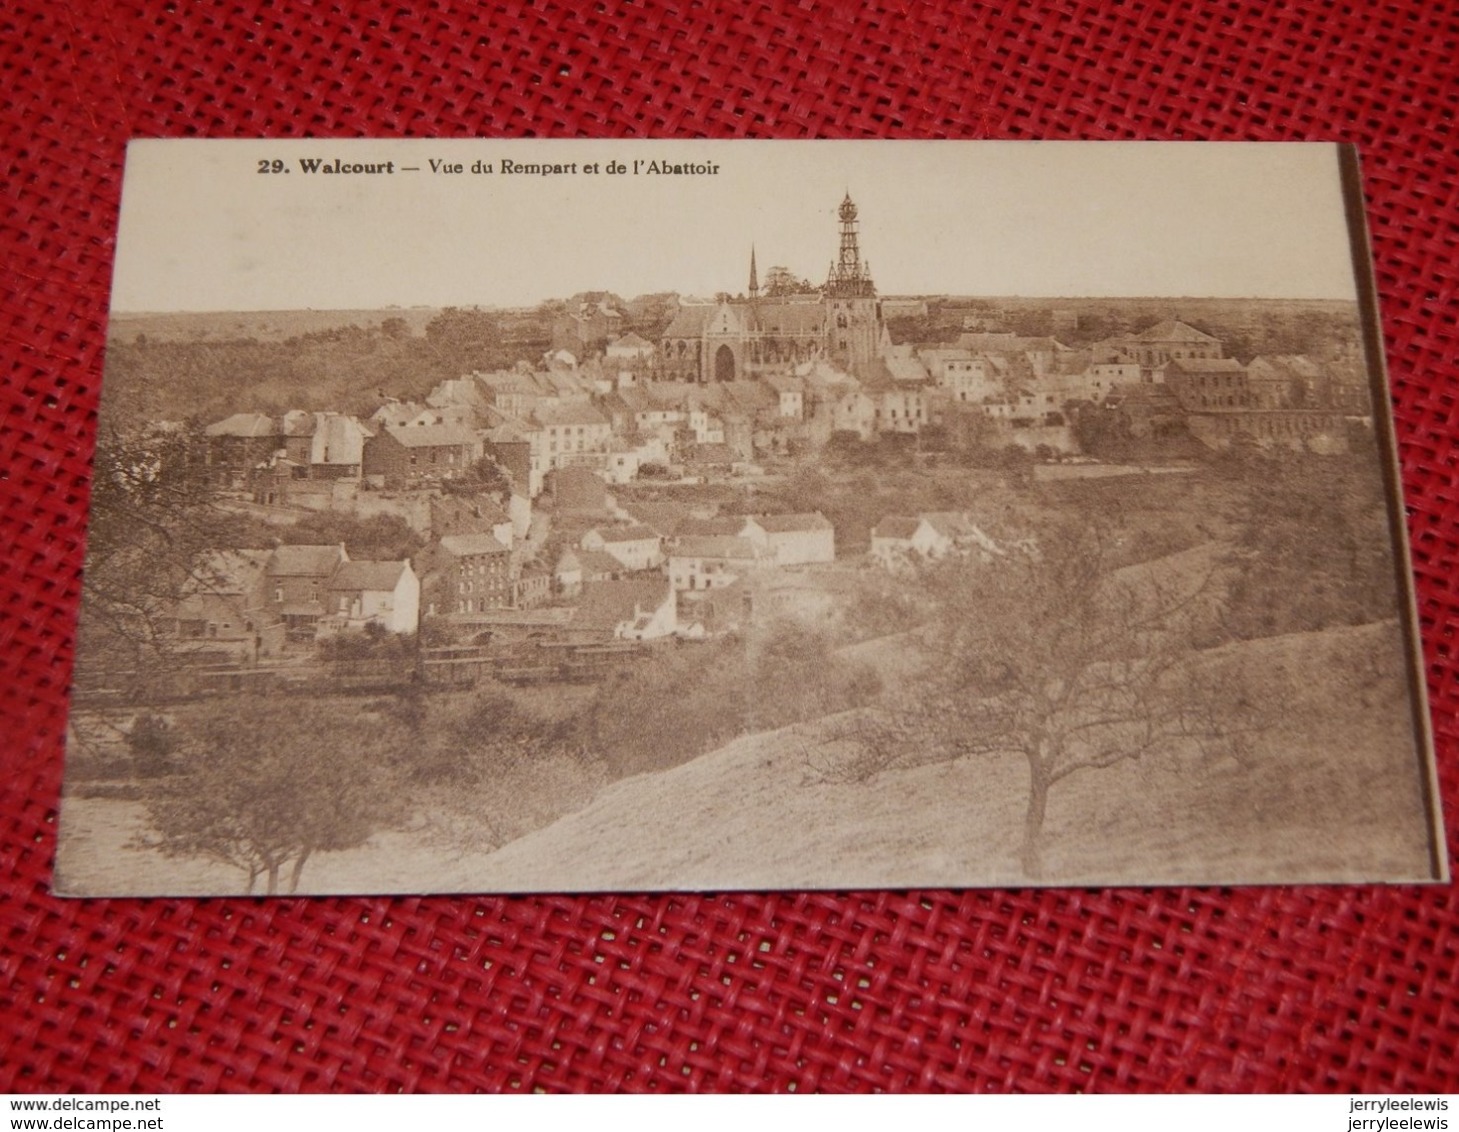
1056,657
153,519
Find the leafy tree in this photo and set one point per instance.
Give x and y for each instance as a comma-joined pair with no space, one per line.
267,785
484,477
781,282
462,340
382,538
1056,658
152,742
1313,548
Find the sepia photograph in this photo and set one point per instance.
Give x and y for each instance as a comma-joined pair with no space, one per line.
570,516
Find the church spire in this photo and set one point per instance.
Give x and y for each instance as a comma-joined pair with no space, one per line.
754,279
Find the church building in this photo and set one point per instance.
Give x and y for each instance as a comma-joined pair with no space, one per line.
740,339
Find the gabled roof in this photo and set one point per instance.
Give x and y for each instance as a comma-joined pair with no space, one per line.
461,545
786,524
631,341
1004,343
338,439
691,527
468,516
245,424
690,321
874,376
714,546
789,317
746,396
599,562
631,398
305,561
663,518
1171,330
904,366
509,381
1285,365
607,605
431,436
635,532
558,383
363,575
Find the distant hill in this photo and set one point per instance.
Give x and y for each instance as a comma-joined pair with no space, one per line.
264,326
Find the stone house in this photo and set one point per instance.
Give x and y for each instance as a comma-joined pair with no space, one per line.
224,604
237,445
473,573
298,581
418,455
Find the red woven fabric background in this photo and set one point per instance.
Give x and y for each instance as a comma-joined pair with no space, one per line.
1254,989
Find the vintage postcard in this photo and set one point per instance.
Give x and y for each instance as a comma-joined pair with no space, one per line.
552,516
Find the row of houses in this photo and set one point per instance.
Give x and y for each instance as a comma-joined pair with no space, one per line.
255,452
466,575
535,421
249,602
1029,382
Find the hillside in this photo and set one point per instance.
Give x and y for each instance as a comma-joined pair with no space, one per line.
1332,792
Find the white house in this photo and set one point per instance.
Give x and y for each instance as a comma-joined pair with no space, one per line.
790,395
627,610
705,562
793,540
570,430
900,540
382,593
636,546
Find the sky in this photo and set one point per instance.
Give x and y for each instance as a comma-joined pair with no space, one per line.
202,229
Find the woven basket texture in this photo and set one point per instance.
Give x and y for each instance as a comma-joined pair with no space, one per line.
1332,988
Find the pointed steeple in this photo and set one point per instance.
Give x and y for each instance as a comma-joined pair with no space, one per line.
754,278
